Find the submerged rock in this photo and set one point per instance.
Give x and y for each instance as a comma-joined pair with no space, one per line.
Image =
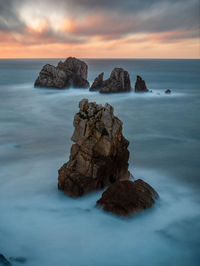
126,197
98,83
4,261
99,156
140,85
119,81
168,91
70,73
18,259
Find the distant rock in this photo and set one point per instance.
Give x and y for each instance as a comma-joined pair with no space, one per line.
99,156
18,259
4,261
70,73
140,85
51,77
125,198
75,66
119,81
98,83
168,91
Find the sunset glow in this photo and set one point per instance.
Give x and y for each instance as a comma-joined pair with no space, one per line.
33,29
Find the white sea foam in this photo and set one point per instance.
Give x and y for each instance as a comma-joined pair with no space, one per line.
48,228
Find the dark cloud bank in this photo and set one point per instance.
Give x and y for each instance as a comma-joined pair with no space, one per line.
116,18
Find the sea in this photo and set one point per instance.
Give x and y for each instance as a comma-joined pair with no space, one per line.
47,228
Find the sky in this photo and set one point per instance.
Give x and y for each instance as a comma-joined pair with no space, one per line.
100,28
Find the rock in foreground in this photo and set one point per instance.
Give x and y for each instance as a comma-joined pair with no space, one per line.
70,73
99,156
126,197
140,85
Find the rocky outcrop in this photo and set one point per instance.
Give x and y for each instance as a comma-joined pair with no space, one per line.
98,83
140,85
70,73
168,91
126,197
119,81
51,77
99,156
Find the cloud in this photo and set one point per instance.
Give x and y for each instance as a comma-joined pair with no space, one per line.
9,19
80,21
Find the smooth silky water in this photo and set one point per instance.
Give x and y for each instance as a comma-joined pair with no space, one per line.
46,227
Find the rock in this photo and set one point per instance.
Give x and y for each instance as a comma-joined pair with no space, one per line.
75,66
119,81
51,77
140,85
126,197
98,83
168,91
70,73
4,261
18,259
99,156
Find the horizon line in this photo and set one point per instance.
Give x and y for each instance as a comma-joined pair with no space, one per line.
117,58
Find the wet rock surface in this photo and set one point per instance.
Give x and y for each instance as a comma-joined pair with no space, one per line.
119,81
70,73
98,83
125,198
99,156
140,85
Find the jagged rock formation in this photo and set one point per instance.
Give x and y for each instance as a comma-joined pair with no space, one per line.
98,83
119,81
70,73
99,156
126,197
140,85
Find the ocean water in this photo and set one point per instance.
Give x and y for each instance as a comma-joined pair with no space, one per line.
46,227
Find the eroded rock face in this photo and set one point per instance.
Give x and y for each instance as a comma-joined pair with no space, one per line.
119,81
125,198
51,77
75,66
70,73
98,83
99,156
140,85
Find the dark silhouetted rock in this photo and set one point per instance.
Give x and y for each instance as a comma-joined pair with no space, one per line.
118,81
98,83
75,66
99,156
126,197
70,73
140,85
168,91
51,77
4,261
